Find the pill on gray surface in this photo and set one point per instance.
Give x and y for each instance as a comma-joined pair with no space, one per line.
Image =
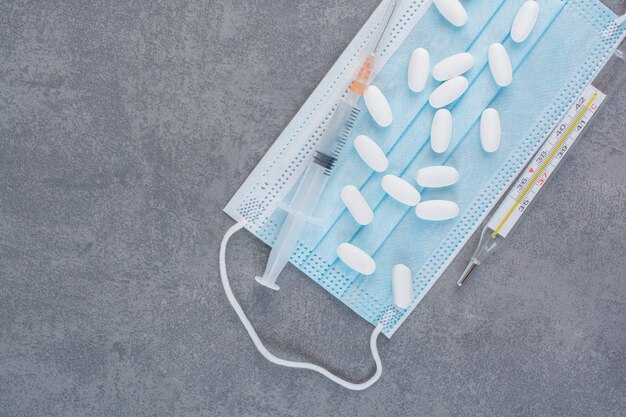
524,21
453,66
448,92
370,153
400,190
402,286
437,210
356,258
378,106
357,205
441,131
452,10
419,68
490,130
500,65
437,176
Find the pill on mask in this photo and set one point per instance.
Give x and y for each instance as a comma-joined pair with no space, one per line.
400,190
356,258
437,176
448,92
500,65
419,67
452,10
370,153
490,130
378,106
524,21
402,286
357,205
453,66
441,131
437,210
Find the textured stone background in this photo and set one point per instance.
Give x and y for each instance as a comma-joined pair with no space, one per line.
124,129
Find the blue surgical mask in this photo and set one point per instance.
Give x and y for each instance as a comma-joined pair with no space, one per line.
568,45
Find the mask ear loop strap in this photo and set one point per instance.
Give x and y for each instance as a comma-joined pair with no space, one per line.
279,361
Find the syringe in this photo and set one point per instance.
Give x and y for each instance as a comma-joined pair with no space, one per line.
316,175
547,159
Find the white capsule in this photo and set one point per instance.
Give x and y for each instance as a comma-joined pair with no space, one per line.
453,66
371,153
437,210
500,65
419,67
400,190
448,92
378,106
356,258
402,286
490,130
441,131
452,10
437,176
357,205
524,21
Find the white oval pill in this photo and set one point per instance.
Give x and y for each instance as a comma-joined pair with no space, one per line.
356,258
400,190
437,176
371,153
524,21
452,10
419,67
402,286
441,131
357,205
490,130
378,106
448,92
453,66
500,65
437,210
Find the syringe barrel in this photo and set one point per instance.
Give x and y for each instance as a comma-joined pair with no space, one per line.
309,190
300,212
327,143
337,132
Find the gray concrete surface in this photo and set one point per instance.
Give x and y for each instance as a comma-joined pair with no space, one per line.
124,129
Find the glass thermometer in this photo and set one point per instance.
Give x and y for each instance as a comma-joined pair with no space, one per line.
546,160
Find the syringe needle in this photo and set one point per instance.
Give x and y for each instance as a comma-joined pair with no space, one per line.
361,80
388,15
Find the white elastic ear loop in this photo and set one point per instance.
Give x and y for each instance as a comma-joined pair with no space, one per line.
278,361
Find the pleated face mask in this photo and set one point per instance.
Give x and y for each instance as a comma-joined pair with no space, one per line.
568,44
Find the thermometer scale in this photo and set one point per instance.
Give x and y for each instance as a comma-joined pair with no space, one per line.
545,161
